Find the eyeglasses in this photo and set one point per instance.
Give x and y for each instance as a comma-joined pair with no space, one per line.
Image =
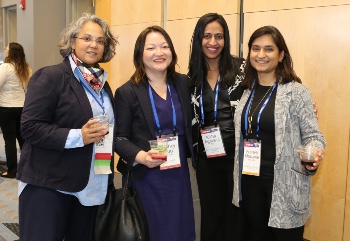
88,39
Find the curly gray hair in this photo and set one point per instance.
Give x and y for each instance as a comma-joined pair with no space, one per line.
69,33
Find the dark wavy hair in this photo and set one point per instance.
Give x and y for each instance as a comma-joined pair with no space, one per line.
140,72
17,57
284,71
198,66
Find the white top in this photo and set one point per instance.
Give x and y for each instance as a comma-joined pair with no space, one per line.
12,92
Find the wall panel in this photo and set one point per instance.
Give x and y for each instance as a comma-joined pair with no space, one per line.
261,6
346,226
182,9
136,11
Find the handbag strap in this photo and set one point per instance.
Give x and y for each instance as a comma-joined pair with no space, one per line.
130,176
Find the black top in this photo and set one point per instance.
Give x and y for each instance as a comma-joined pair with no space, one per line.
266,128
224,116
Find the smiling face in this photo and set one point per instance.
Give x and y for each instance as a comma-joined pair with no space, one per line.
213,40
265,55
157,55
89,52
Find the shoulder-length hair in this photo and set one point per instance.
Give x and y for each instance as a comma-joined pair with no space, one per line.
17,57
140,71
198,66
69,33
284,71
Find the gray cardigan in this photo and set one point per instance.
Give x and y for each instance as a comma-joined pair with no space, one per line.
295,124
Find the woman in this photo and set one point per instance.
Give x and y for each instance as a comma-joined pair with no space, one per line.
60,181
215,89
154,103
14,76
274,117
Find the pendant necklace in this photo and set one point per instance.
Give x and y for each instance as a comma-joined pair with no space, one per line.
250,116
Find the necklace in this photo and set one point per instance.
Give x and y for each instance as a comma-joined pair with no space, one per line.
250,116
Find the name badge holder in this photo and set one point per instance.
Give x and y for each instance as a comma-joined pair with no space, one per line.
103,154
252,147
173,152
211,135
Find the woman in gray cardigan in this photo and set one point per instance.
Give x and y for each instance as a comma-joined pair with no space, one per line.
274,117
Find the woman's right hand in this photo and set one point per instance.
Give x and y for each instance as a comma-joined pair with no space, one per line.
146,159
93,132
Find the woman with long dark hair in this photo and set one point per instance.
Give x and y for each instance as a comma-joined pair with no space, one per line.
215,77
274,117
14,76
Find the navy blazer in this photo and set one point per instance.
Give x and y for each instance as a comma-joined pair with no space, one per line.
135,121
55,103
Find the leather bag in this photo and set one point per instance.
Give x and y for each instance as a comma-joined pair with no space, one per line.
121,217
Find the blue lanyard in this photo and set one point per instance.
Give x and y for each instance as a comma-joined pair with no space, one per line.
259,114
155,110
215,102
99,99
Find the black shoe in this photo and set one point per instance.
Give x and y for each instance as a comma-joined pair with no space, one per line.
8,175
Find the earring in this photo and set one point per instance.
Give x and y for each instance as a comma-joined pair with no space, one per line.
73,51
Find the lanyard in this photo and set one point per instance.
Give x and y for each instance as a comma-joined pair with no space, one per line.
155,110
98,99
215,102
259,114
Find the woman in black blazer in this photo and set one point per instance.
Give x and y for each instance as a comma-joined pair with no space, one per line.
60,182
156,102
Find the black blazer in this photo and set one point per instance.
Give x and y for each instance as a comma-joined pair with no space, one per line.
55,103
135,121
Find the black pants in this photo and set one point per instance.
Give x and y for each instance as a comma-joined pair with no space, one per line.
48,215
10,118
220,219
256,196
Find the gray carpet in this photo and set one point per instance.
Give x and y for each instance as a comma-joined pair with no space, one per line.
8,202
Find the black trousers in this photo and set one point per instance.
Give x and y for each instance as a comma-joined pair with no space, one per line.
220,219
257,196
10,118
48,215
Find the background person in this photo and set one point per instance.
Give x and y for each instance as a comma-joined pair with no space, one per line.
215,88
59,186
155,102
277,114
14,76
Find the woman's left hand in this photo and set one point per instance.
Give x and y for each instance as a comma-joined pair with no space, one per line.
317,161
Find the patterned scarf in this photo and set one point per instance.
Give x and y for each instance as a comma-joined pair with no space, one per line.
92,75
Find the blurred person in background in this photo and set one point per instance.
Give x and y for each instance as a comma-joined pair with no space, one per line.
14,77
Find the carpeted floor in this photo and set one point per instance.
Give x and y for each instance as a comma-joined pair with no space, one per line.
8,202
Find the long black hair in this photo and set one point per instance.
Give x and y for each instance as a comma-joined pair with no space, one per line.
284,71
198,66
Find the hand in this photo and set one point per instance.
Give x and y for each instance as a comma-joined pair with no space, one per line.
146,159
317,160
93,132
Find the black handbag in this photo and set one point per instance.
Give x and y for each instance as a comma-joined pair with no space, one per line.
121,217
